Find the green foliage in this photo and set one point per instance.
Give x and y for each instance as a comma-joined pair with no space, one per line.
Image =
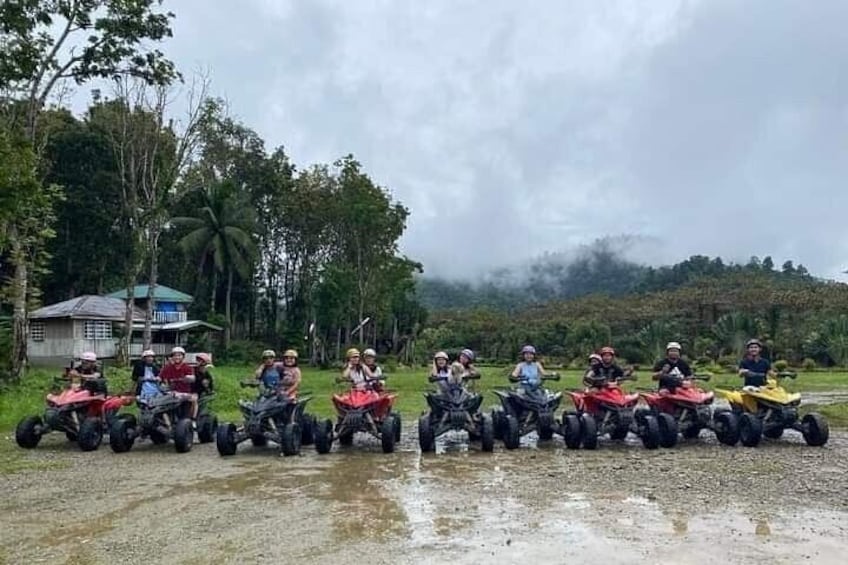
809,364
781,365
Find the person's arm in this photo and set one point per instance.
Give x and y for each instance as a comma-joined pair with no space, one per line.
471,371
257,374
188,374
589,378
685,369
743,371
661,368
516,373
541,369
346,373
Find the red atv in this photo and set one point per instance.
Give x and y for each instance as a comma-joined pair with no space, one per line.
691,408
609,410
83,412
368,411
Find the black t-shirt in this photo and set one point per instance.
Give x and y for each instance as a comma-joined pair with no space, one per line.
760,365
199,387
665,380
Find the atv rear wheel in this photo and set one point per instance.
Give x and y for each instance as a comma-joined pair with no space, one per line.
512,439
649,431
816,431
207,424
588,431
307,429
498,423
121,436
183,435
28,432
90,434
290,439
668,430
726,427
426,441
225,440
487,434
398,426
387,434
571,430
324,436
750,430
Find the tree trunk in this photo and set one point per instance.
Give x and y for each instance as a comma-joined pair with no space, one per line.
124,358
361,317
19,318
227,311
151,292
214,290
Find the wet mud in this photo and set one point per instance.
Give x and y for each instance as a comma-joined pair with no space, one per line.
782,502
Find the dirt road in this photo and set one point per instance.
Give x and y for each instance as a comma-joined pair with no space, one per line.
701,503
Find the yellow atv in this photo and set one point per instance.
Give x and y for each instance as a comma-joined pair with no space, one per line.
769,410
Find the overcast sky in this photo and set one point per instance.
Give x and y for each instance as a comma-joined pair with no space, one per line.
514,128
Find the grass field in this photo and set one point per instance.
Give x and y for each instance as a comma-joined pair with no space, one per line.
28,398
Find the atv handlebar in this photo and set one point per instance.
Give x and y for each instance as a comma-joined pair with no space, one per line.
249,384
551,377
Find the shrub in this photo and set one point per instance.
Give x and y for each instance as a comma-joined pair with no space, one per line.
781,365
808,364
729,362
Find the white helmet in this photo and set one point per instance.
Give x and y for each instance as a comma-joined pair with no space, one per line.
369,353
673,345
441,355
89,356
148,353
179,350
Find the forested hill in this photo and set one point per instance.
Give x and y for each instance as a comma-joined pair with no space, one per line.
599,270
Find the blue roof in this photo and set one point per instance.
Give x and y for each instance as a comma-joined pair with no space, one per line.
161,293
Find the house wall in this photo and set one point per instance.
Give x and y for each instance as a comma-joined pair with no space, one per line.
63,339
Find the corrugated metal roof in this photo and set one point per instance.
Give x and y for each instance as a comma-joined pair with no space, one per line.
87,307
161,292
178,326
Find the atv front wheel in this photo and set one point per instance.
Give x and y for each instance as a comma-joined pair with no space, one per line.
28,432
815,429
571,431
726,427
225,440
546,430
588,432
387,434
426,441
512,439
183,435
121,436
90,434
324,436
207,424
650,432
291,439
398,426
750,430
487,434
498,423
668,430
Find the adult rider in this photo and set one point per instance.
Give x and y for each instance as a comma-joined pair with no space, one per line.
754,368
671,370
529,372
607,371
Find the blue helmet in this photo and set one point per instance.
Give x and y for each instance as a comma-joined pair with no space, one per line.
468,353
528,349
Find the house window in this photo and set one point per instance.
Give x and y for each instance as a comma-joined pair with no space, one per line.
97,329
36,331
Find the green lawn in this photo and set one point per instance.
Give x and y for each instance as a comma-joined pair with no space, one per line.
21,400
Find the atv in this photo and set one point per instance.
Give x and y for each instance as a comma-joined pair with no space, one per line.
83,413
609,410
691,408
771,409
368,411
455,408
270,417
524,410
163,417
207,422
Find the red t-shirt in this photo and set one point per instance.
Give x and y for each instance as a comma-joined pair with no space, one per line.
172,372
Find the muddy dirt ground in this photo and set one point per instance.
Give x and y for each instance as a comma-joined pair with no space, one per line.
700,503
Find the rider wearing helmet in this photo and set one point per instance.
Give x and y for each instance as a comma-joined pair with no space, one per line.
204,383
753,367
466,361
369,357
290,373
607,370
180,376
529,372
145,374
671,370
269,371
440,371
355,372
89,374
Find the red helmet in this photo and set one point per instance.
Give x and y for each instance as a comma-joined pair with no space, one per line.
605,350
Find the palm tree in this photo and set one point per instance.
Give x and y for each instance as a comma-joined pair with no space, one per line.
220,231
733,330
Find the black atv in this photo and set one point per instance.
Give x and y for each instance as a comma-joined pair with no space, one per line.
164,417
524,410
455,409
270,417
